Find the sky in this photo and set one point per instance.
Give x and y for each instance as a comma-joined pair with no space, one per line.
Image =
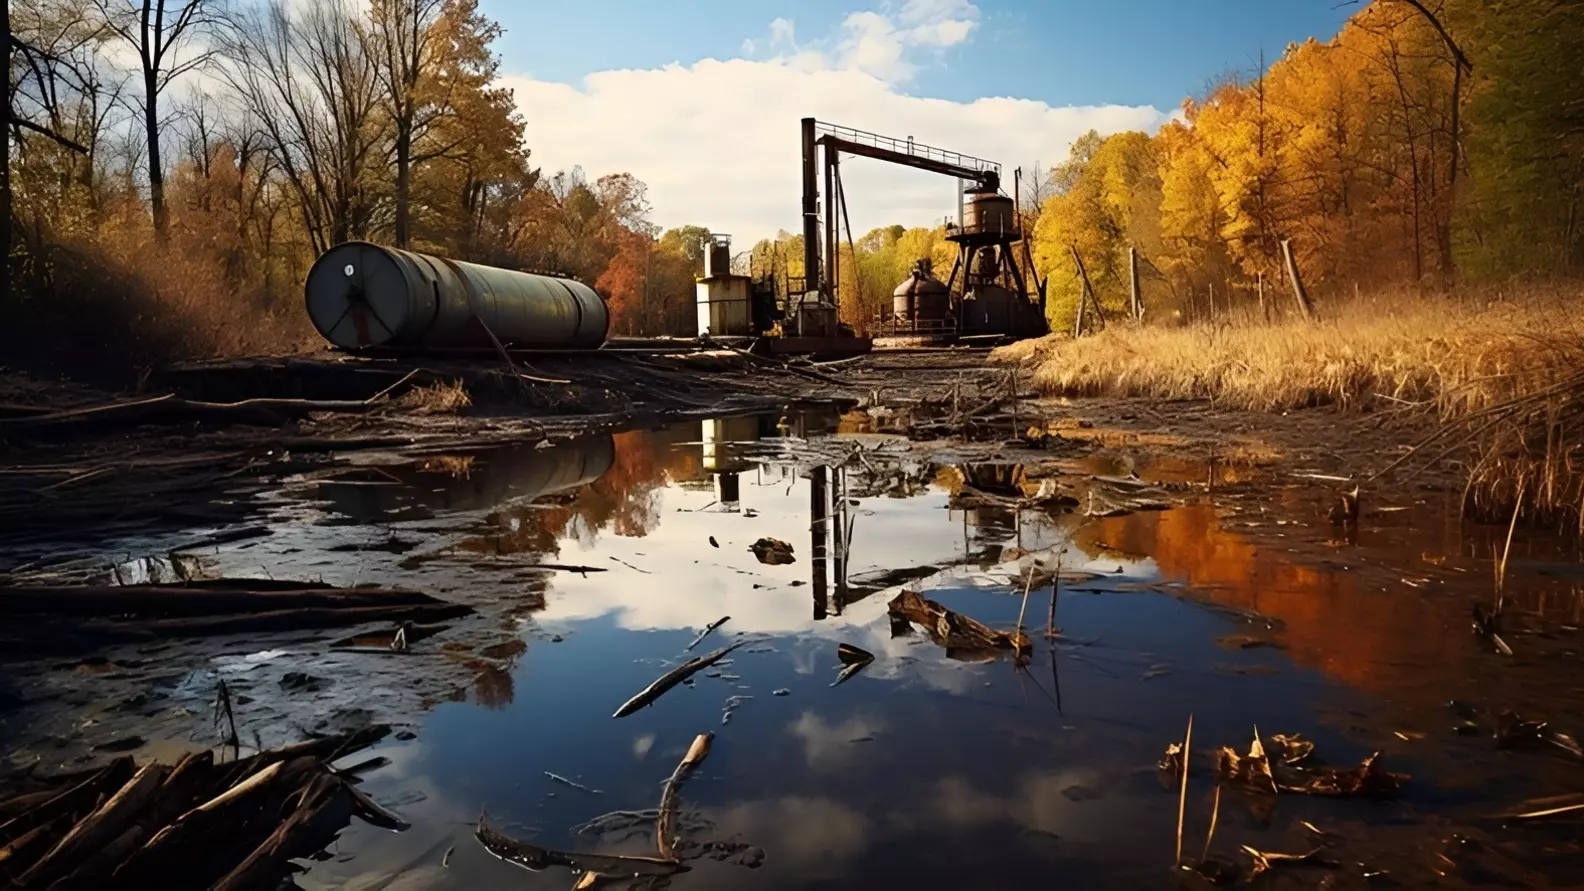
701,99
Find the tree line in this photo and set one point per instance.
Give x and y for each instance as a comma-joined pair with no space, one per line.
1426,145
178,164
174,166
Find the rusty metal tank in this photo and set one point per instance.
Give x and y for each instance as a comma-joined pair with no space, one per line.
989,309
987,212
921,297
362,295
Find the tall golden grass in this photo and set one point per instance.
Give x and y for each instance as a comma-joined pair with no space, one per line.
1504,371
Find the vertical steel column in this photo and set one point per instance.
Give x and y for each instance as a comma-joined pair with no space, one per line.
811,209
819,511
830,221
839,538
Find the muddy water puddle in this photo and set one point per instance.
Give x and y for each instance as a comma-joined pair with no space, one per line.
595,562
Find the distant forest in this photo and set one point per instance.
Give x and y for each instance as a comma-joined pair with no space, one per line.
169,185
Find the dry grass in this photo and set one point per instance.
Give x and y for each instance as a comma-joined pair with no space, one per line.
107,308
444,398
1502,370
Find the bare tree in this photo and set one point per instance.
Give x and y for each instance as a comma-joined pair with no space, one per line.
168,36
307,79
404,35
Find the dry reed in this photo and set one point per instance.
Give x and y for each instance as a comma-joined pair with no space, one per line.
1504,373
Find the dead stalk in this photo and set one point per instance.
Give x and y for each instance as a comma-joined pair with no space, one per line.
1028,582
1215,813
1182,798
1501,567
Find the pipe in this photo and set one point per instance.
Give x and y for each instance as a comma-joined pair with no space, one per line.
811,236
362,295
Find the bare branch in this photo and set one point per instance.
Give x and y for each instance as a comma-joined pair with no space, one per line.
49,134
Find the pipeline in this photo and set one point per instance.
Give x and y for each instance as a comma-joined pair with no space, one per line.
362,295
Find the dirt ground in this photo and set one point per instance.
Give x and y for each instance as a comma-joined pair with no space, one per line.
111,500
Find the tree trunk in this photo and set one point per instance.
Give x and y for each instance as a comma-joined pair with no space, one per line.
5,158
1444,223
1304,306
156,171
403,179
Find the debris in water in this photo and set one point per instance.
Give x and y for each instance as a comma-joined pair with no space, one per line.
564,781
445,862
1367,779
951,629
1290,748
1513,730
1245,642
1266,860
1252,770
732,704
707,629
851,655
781,692
670,679
1345,512
772,552
531,856
1487,625
713,542
1171,763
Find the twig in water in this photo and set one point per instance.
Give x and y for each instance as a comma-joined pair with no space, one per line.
1028,582
1501,567
563,780
223,707
1182,798
632,567
707,629
695,754
1050,621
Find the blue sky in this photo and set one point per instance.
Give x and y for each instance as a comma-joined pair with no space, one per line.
621,85
1063,52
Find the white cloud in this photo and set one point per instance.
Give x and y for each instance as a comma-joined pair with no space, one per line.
717,140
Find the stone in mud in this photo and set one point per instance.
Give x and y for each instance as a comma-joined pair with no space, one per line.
772,552
302,682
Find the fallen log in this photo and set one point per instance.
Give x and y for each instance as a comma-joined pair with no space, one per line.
78,797
99,828
208,841
952,629
325,748
168,409
156,601
323,809
25,640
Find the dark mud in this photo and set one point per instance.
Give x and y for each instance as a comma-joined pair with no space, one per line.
1200,573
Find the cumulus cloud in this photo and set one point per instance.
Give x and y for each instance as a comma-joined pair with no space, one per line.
717,140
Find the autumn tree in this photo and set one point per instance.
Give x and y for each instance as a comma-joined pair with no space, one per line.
169,37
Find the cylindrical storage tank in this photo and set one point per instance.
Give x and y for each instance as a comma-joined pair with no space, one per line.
989,212
921,297
363,295
903,303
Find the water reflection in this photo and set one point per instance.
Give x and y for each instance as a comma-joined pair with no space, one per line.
923,768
